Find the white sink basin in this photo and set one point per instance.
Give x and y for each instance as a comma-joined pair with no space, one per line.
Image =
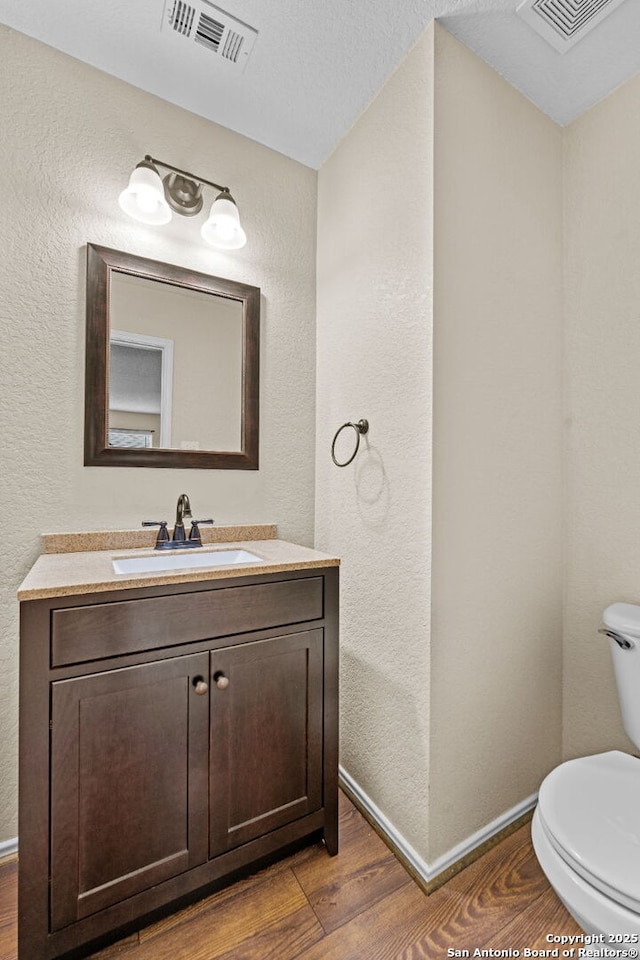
182,561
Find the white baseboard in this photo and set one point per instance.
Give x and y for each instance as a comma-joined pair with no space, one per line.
429,871
8,847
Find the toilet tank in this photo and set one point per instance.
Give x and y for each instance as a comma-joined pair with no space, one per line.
623,620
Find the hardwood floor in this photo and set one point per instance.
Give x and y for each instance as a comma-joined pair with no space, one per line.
360,905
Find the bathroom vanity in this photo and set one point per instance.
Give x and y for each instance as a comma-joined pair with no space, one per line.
175,729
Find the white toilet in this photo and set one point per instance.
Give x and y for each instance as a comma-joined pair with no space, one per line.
586,827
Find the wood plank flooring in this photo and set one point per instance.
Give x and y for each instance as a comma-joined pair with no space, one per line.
360,905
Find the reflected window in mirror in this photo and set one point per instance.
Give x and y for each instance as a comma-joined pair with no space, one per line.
172,366
140,389
126,437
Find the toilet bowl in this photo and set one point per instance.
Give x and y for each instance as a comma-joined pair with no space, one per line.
586,827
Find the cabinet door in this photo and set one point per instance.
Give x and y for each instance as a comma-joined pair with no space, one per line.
129,782
266,736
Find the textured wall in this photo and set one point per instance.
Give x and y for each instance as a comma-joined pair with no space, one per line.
497,447
374,361
70,138
440,215
602,223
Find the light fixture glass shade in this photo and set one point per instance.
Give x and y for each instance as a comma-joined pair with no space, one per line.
144,198
223,229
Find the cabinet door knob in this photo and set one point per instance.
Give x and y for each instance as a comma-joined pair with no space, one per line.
201,686
220,680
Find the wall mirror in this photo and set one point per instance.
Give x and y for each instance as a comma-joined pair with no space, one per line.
172,366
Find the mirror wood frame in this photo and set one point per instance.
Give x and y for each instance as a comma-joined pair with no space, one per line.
101,263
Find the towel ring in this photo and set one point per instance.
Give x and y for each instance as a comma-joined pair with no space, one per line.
362,426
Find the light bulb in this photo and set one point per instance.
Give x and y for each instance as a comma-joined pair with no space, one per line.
223,229
143,199
147,199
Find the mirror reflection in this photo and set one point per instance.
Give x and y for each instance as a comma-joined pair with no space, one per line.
175,367
172,366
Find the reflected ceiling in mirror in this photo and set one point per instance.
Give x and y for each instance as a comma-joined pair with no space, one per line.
172,366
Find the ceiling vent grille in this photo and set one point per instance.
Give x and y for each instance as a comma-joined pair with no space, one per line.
211,29
563,23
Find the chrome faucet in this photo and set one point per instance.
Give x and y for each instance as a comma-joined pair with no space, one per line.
179,539
183,509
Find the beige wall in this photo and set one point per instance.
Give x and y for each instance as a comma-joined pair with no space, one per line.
497,447
70,137
451,652
602,204
374,361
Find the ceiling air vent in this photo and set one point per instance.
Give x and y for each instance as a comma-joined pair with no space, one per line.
563,23
210,29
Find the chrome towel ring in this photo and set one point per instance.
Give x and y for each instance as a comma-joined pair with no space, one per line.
362,426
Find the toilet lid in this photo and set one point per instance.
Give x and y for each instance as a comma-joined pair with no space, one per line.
590,809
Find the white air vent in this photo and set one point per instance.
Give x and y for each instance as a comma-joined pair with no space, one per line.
210,29
563,23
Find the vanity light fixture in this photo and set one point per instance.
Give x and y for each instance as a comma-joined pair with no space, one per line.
150,199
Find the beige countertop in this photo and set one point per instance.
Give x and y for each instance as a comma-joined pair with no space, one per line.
91,571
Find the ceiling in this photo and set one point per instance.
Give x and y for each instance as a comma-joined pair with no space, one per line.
317,63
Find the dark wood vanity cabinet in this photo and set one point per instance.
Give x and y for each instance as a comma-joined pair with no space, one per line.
266,737
150,777
129,752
